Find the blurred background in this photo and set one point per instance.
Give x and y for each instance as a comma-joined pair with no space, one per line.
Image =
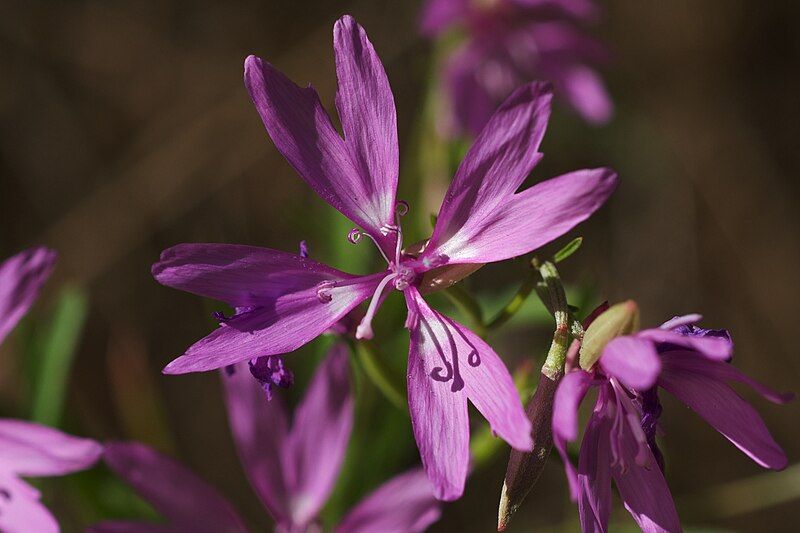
125,128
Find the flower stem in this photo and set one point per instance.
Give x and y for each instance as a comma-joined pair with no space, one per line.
376,370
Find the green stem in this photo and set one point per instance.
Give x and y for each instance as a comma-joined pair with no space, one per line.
468,306
551,290
376,370
515,304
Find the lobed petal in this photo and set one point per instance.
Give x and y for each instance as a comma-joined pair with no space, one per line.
21,277
188,502
33,450
449,364
21,511
715,348
259,429
633,361
303,133
643,488
708,395
594,473
366,108
316,445
404,504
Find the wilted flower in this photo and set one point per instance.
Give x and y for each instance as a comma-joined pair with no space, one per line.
284,300
27,449
292,466
619,441
511,42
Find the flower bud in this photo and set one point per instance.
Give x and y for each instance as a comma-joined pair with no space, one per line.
619,319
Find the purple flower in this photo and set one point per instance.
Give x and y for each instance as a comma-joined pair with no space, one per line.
286,300
511,42
28,449
21,277
619,441
31,450
292,465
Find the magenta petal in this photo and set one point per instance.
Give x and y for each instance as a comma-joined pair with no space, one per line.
571,391
644,489
495,166
531,218
470,105
187,501
438,411
303,133
708,395
22,512
366,108
259,428
404,504
33,450
241,276
715,348
633,361
313,453
21,277
594,473
290,321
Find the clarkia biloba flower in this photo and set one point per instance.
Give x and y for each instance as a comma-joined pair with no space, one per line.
510,42
28,449
292,465
627,368
284,300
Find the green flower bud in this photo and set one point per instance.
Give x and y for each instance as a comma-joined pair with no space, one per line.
619,319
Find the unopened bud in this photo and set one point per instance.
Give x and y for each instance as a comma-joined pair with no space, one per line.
619,319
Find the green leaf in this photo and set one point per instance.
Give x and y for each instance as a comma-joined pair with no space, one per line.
568,250
56,352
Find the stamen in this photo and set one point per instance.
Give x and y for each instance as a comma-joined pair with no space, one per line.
364,329
355,236
402,208
324,291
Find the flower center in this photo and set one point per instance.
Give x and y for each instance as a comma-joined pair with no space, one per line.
401,274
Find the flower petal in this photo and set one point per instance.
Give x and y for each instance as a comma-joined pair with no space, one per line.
403,504
33,450
21,277
303,133
315,448
366,108
708,395
715,348
530,219
21,511
633,361
486,379
259,428
289,300
494,168
644,489
186,500
438,410
571,391
594,473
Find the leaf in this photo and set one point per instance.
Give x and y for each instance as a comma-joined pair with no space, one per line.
56,353
571,247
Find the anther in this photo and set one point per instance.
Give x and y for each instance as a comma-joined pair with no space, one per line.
324,291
